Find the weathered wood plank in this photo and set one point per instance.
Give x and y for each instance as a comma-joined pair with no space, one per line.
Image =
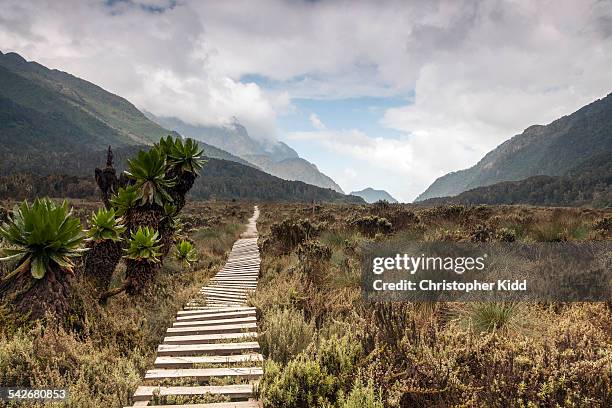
247,373
234,320
208,338
240,391
190,361
225,328
207,349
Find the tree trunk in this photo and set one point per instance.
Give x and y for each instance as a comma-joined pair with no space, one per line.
140,275
36,297
101,261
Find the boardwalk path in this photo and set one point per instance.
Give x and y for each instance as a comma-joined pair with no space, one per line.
212,347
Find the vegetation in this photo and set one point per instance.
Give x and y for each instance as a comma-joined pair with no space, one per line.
337,350
44,238
101,359
185,252
104,247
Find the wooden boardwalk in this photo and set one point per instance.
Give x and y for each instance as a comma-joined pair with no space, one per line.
211,350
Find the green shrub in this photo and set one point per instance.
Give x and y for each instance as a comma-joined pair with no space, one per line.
318,377
492,316
287,235
301,383
285,333
371,225
362,396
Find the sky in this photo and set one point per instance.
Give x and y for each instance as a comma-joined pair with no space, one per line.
382,94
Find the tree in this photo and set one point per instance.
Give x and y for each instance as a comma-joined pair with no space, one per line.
44,239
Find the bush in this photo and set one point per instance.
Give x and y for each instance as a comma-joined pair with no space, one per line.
371,225
362,396
312,255
315,378
285,333
287,235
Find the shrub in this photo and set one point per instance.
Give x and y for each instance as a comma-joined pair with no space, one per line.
312,255
371,225
318,377
362,396
285,333
505,235
289,234
301,383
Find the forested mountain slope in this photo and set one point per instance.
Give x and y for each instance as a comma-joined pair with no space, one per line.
550,150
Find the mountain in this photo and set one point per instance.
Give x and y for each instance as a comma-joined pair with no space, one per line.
53,110
589,183
273,157
70,174
55,127
371,196
550,150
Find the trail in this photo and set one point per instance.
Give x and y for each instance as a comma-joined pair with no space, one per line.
213,341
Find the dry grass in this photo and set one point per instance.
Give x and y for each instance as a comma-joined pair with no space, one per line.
438,354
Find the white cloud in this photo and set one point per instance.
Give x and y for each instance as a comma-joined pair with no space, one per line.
480,71
315,121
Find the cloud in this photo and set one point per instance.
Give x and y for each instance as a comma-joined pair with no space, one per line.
154,53
476,72
316,122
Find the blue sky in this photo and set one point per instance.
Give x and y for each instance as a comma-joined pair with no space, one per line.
388,94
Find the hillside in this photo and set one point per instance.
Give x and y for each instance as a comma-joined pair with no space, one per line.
54,110
371,195
273,157
71,174
589,183
550,150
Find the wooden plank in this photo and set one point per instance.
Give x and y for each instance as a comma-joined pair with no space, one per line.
239,391
222,328
223,289
247,373
235,404
207,349
208,338
207,310
190,361
215,316
246,319
238,296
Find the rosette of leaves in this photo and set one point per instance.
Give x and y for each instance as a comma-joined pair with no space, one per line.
44,238
142,255
185,253
125,199
105,236
184,160
148,170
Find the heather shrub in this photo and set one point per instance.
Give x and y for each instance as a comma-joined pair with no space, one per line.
312,256
288,234
371,225
362,396
284,334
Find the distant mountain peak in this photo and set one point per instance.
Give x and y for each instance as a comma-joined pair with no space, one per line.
371,195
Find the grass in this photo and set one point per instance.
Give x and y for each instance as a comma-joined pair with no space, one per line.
436,354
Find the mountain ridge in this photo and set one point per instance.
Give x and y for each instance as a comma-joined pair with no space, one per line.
274,157
549,150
